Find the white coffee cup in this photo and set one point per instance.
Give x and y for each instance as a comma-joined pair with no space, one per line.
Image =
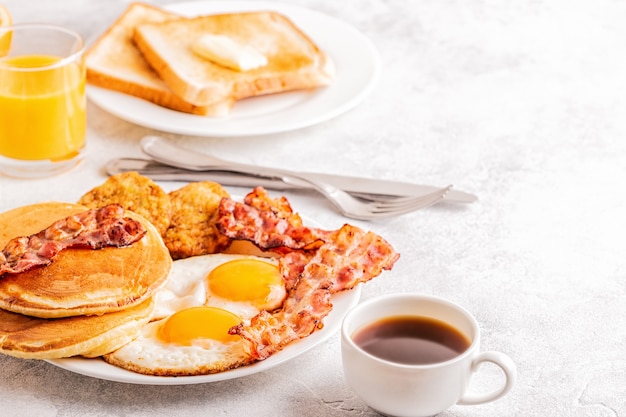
397,389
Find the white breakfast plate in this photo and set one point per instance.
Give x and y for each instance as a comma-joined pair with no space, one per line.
98,368
357,70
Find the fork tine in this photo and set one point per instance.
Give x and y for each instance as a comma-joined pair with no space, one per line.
386,201
411,203
354,208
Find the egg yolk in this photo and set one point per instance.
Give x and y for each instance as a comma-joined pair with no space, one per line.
251,280
194,323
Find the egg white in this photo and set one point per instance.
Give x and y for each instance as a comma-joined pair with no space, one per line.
149,355
187,287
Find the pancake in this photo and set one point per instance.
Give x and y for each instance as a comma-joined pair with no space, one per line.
81,281
36,338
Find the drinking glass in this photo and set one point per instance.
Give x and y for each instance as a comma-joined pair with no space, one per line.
42,100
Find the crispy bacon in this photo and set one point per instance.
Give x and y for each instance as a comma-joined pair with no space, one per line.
292,265
92,229
280,207
268,227
341,260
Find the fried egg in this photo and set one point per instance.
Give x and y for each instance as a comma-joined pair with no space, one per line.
203,298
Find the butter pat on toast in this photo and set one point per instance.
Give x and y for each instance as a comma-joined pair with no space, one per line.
294,61
114,62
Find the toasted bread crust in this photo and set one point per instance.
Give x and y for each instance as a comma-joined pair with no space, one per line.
294,60
114,63
158,96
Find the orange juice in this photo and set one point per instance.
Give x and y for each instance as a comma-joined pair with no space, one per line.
42,108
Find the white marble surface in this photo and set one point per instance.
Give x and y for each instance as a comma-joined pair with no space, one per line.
521,102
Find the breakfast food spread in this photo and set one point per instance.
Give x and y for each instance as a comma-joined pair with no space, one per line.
204,64
218,307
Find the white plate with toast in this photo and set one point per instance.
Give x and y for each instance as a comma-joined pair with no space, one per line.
98,368
357,70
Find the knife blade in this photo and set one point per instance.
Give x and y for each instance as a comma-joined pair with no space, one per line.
166,152
358,186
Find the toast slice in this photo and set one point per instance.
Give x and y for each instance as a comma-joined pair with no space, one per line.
113,62
294,61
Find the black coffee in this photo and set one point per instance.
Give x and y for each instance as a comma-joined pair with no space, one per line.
411,340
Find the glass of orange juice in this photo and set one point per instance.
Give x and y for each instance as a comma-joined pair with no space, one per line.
42,100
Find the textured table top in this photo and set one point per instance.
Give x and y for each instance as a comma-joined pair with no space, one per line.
522,103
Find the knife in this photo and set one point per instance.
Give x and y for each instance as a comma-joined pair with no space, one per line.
359,187
166,152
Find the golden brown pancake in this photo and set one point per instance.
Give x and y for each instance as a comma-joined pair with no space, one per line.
36,338
81,281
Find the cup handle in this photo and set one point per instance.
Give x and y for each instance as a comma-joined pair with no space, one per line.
510,372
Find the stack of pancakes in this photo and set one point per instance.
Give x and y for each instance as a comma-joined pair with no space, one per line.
86,302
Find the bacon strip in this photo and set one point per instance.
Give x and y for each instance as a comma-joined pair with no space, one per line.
92,229
261,222
344,258
280,207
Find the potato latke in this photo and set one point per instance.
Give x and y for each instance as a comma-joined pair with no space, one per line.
192,229
136,193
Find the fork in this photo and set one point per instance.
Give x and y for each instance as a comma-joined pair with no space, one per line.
354,208
167,153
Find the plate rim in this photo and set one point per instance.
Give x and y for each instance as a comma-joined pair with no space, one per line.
89,366
156,117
